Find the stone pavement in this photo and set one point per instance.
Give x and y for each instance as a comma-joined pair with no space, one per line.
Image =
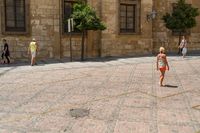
121,95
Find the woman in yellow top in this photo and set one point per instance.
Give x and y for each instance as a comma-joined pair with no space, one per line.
33,48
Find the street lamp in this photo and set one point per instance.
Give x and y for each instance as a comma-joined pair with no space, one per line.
151,15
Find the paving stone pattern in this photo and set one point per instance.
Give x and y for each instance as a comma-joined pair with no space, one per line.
122,96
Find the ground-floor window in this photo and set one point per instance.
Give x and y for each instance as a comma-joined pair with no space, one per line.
67,11
15,16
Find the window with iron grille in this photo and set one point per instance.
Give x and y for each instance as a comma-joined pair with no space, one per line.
129,16
67,11
15,20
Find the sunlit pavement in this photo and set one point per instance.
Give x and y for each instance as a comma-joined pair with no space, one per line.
122,96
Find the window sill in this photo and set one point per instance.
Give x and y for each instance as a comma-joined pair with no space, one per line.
138,33
73,34
15,33
67,33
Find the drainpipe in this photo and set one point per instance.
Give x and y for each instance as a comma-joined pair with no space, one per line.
60,29
153,8
100,36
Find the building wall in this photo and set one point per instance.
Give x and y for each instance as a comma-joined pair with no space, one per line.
116,44
46,26
92,41
164,37
44,21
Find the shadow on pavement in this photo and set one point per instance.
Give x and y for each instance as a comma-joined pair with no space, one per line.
6,71
42,62
171,86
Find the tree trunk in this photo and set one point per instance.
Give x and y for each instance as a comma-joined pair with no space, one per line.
82,45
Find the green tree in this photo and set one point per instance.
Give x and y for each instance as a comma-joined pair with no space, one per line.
85,19
182,18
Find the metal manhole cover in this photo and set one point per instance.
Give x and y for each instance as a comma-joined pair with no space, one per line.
79,112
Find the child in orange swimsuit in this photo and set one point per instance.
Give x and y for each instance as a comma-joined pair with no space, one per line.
162,64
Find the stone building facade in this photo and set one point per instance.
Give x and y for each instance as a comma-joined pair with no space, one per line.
129,31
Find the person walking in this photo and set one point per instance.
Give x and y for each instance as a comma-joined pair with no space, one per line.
182,46
5,52
32,50
162,64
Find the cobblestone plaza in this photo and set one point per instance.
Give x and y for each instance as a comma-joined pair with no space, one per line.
131,31
122,96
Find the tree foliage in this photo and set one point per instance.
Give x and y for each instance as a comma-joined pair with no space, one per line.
85,17
182,17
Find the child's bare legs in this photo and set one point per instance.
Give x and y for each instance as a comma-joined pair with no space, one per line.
162,75
32,61
33,55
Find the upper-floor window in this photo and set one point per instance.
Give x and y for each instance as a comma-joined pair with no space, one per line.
15,15
129,16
